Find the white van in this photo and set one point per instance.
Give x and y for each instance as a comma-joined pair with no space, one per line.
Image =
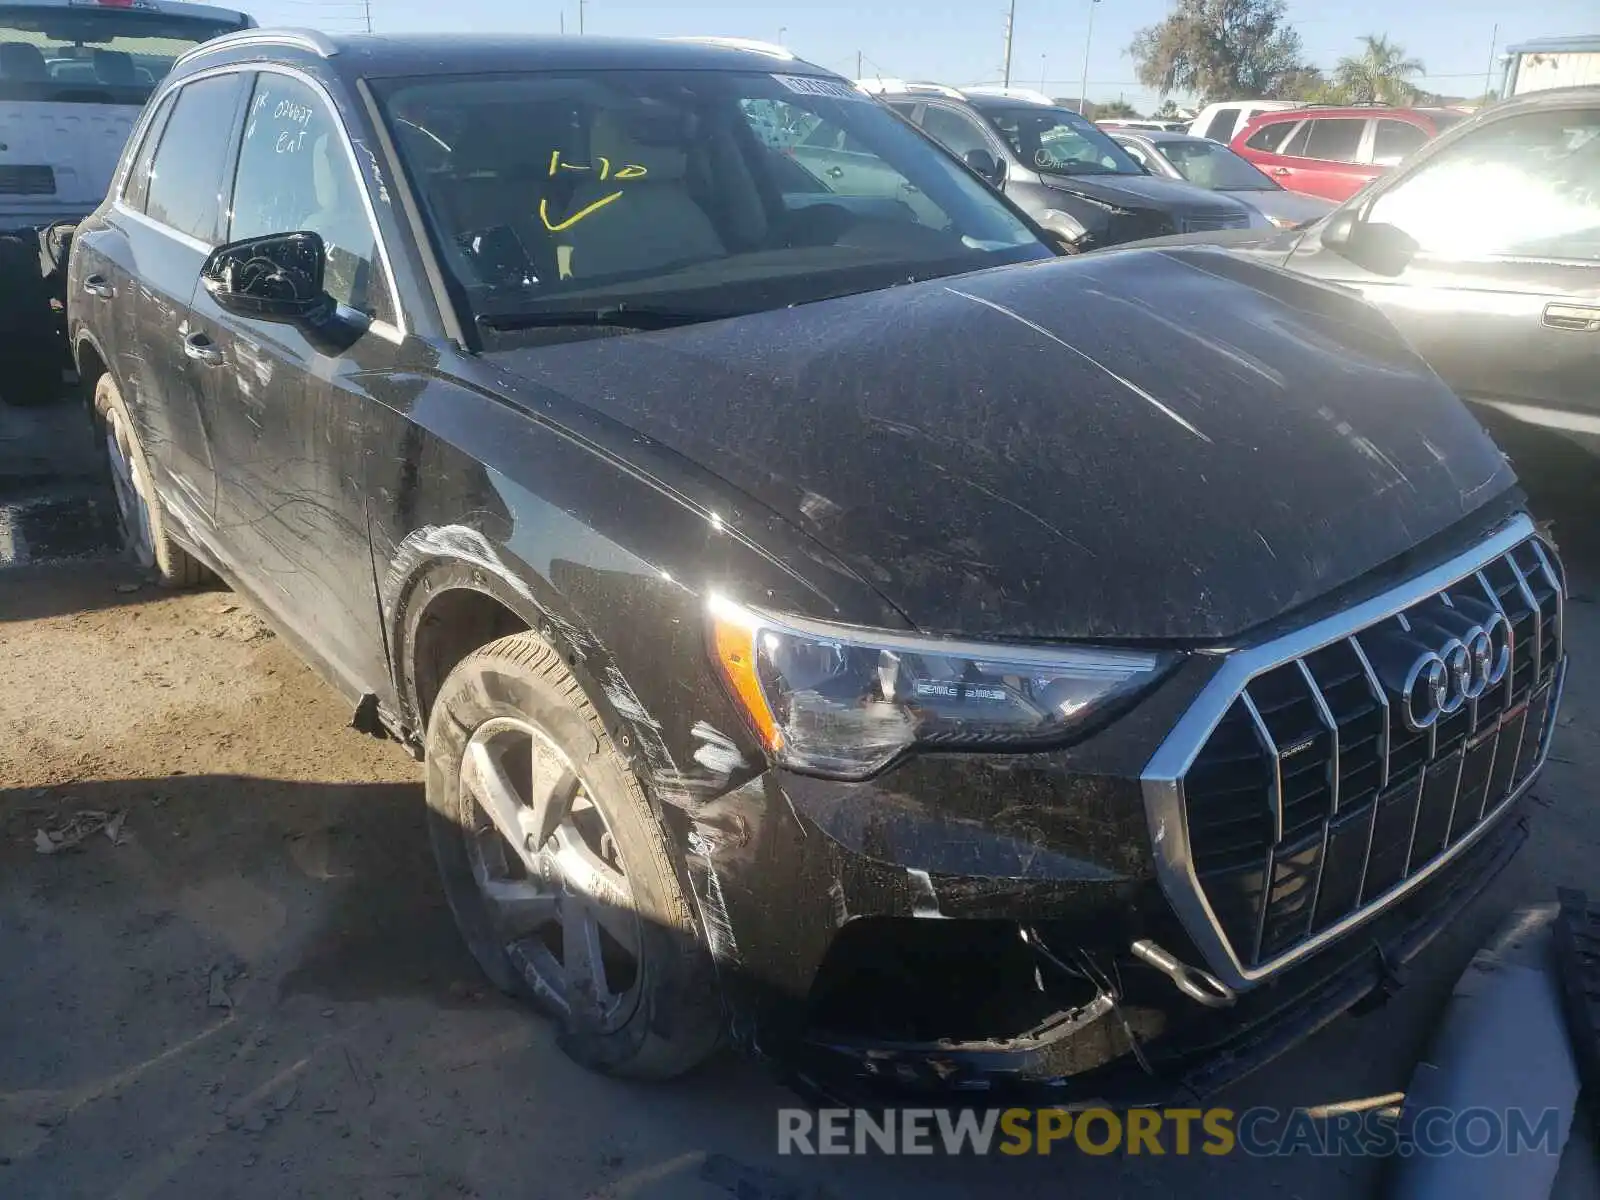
1222,120
74,75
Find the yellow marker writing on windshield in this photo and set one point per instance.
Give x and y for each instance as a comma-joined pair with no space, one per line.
544,214
631,171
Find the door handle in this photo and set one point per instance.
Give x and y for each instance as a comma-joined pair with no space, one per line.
1576,318
201,349
835,172
1280,170
96,285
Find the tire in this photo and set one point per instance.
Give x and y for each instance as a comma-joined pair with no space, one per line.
652,1010
31,379
32,354
139,513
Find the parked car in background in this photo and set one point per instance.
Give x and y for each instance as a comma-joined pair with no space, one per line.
1209,164
1117,124
1484,250
73,76
1060,169
1220,121
758,580
1335,152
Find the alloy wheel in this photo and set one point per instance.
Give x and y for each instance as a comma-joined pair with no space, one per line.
548,869
128,484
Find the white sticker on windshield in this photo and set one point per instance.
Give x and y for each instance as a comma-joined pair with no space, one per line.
810,85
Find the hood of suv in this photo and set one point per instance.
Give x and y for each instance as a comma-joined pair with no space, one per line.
1170,443
1146,191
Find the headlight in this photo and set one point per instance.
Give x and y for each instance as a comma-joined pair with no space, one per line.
844,702
1064,224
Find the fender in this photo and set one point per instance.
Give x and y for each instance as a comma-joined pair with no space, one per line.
434,561
438,559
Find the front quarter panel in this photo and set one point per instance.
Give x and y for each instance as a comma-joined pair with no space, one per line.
612,560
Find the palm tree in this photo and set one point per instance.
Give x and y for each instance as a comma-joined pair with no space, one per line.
1380,74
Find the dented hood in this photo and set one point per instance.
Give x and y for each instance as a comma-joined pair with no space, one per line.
1172,443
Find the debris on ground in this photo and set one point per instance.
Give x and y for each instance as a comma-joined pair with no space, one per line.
217,993
76,829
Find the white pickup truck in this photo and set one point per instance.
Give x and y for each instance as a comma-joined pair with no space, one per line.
73,76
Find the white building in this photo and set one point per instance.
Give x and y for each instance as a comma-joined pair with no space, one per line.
1552,63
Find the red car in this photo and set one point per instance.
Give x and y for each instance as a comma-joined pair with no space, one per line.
1335,152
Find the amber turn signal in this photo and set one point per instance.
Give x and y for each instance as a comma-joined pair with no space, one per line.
734,644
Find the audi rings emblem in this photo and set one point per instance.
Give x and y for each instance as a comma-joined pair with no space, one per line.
1441,681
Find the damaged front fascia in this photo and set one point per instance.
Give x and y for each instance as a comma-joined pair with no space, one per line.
778,863
713,824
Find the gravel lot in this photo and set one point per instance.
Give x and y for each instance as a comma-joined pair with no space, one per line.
255,990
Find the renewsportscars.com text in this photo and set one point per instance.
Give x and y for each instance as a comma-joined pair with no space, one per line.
1258,1132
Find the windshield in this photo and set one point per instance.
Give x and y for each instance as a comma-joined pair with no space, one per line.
1213,165
691,194
1059,142
92,54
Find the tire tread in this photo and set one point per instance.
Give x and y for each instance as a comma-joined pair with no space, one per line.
697,1017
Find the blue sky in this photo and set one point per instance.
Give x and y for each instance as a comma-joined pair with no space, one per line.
960,41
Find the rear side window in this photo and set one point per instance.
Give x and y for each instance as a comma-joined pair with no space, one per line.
1220,128
1270,136
187,174
1336,139
138,185
953,131
1295,147
1394,140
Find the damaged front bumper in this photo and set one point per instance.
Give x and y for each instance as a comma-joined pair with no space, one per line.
1012,925
1087,1058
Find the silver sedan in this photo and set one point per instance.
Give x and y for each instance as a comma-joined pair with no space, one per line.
1212,165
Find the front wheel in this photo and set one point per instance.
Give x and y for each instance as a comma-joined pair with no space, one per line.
557,869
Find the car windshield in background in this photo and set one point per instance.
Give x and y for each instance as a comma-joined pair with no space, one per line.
94,54
1212,165
1059,142
654,197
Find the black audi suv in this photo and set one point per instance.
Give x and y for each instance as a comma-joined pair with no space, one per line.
830,620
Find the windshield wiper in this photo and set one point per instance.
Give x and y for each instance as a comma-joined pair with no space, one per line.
617,316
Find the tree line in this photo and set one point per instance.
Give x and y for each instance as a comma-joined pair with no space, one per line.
1235,49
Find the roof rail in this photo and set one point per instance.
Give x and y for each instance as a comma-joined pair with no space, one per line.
306,39
908,86
739,43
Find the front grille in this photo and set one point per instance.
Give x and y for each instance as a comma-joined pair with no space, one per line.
1314,798
1132,225
1199,222
27,181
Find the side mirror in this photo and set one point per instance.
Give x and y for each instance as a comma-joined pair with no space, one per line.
273,278
1379,247
986,165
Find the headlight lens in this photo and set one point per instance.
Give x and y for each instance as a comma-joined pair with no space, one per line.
1064,224
844,702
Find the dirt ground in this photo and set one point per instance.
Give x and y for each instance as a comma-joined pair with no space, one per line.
248,985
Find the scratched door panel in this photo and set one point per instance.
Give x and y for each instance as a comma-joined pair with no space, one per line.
286,410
